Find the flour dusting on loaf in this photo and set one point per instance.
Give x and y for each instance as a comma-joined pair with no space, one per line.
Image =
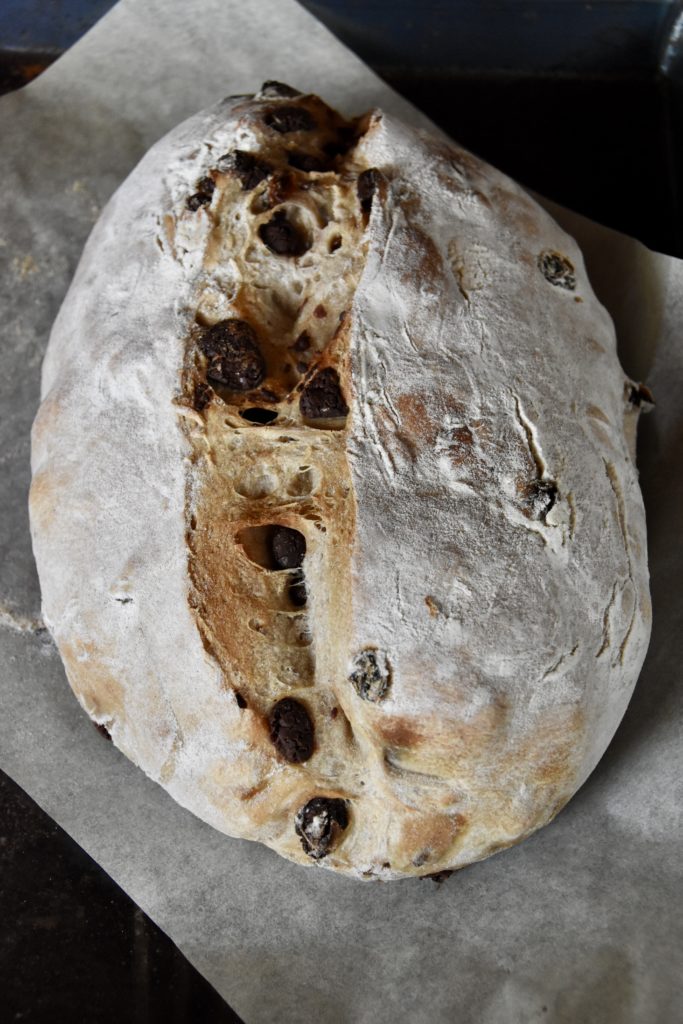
334,502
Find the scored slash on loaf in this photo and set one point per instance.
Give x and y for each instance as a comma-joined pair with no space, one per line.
334,502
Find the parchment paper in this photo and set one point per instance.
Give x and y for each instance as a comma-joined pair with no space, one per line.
581,923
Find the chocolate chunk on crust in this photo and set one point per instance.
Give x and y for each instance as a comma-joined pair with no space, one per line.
288,547
322,397
247,168
273,88
282,237
290,119
302,342
319,824
371,676
307,162
234,358
291,730
557,269
539,498
202,197
197,200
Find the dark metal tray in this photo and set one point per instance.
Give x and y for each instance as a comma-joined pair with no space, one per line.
579,101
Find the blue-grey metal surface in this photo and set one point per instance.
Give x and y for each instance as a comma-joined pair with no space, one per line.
582,101
47,25
609,36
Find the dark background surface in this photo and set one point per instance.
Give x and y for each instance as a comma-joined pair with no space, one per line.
580,101
73,947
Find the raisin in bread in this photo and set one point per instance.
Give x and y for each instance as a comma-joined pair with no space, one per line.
334,501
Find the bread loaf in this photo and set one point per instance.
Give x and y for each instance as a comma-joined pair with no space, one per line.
334,502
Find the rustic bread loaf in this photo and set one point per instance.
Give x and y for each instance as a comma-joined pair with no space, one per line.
334,504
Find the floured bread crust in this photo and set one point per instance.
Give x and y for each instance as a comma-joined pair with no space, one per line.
334,501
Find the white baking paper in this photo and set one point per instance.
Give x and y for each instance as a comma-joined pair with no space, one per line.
581,923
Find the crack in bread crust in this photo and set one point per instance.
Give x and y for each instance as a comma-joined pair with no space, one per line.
275,455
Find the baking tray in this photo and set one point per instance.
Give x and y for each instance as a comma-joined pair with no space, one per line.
543,90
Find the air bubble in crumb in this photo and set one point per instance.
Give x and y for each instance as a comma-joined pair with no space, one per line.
258,484
304,482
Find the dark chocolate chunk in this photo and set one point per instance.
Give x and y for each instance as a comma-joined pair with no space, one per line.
640,396
557,269
368,183
540,496
319,823
202,197
197,200
281,187
302,342
234,358
206,185
202,396
297,589
307,162
102,730
438,876
346,138
322,397
257,415
288,547
282,237
247,168
290,119
371,675
273,88
291,730
241,702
